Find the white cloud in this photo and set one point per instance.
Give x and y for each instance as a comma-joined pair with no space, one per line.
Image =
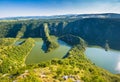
98,8
66,8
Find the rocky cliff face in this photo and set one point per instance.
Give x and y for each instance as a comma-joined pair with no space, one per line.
95,31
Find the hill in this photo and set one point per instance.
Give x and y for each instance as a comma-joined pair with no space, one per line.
76,30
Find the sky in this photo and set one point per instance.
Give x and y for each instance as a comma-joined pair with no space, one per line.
13,8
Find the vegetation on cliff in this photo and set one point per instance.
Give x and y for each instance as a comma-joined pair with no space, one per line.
74,67
50,44
13,57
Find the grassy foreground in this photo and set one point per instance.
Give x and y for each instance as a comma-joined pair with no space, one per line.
76,67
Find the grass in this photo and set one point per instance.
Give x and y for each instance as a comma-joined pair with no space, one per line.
75,65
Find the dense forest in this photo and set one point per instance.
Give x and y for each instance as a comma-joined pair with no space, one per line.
95,31
75,67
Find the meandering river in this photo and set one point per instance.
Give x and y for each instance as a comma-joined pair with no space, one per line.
38,55
109,60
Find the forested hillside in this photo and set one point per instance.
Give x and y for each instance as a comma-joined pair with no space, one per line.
95,31
74,67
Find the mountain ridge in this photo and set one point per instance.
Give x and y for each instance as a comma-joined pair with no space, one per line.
69,16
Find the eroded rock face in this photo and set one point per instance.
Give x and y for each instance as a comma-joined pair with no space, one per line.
73,40
95,31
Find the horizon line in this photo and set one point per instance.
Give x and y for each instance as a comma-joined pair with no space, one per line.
55,15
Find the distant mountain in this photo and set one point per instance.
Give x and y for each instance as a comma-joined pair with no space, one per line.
69,16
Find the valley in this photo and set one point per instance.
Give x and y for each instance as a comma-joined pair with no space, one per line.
48,50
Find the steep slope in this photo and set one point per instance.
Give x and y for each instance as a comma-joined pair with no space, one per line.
95,31
73,68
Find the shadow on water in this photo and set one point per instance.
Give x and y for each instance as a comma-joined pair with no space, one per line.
64,44
44,48
66,55
19,42
38,53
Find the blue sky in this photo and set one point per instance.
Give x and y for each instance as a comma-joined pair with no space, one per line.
12,8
